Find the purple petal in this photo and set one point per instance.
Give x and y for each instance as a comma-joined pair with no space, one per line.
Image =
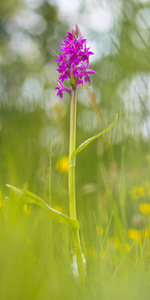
87,79
88,71
79,81
61,84
60,94
63,77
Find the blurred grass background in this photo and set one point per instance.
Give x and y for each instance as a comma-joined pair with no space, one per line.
112,176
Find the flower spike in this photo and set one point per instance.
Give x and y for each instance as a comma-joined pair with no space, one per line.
73,62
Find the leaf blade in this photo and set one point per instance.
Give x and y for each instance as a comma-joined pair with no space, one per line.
88,141
29,197
72,81
84,86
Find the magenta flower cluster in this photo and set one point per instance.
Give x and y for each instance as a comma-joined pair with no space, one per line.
73,62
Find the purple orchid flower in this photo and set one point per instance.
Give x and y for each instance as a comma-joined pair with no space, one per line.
73,59
61,88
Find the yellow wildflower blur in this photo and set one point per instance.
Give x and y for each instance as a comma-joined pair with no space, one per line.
127,247
58,208
103,253
134,234
138,192
146,233
138,235
115,242
100,230
26,209
90,253
62,164
0,126
144,208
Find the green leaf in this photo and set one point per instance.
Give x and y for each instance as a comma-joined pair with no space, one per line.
83,145
84,86
29,197
72,81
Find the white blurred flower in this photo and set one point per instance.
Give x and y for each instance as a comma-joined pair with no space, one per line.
74,265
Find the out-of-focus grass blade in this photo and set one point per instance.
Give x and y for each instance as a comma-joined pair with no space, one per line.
112,202
1,199
2,203
29,197
141,252
122,184
123,192
106,233
117,220
120,264
84,144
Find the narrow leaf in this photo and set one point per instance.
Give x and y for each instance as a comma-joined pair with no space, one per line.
84,144
84,86
72,81
29,197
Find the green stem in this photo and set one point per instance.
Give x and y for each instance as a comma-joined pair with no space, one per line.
71,179
50,172
50,198
72,142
